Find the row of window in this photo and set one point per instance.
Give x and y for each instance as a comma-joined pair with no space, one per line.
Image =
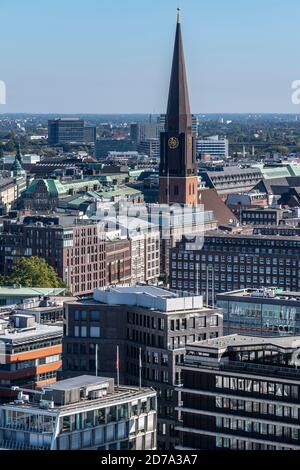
237,444
83,315
257,386
249,269
87,332
232,259
258,408
255,427
145,321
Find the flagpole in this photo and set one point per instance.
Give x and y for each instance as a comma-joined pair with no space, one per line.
117,366
140,366
96,360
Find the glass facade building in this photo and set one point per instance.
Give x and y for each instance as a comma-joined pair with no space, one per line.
122,418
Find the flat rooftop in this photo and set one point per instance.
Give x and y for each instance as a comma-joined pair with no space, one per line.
272,294
77,382
33,333
283,342
149,297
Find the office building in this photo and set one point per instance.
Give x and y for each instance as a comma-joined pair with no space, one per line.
195,123
262,215
265,311
70,131
30,354
142,131
85,413
240,393
151,326
104,146
253,258
150,147
215,146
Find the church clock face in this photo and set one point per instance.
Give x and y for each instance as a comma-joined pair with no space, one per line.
173,143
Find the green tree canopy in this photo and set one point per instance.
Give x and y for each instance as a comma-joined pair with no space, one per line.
282,149
33,272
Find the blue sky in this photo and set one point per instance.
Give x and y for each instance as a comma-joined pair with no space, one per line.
114,56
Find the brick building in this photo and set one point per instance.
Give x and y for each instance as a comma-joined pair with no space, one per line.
75,248
253,258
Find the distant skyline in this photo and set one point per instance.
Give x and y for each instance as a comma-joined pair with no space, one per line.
108,57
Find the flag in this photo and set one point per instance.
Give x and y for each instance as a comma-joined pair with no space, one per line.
117,359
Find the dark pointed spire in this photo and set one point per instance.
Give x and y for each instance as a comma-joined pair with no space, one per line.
178,113
19,154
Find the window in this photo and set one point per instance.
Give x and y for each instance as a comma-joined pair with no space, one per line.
121,430
218,381
110,432
95,315
95,332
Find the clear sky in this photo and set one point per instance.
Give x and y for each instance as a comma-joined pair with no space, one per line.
114,56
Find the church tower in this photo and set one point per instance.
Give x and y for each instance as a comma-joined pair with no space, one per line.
178,180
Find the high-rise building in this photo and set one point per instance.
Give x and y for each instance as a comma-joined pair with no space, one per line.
215,146
178,166
70,131
142,131
87,413
195,123
152,327
241,393
150,147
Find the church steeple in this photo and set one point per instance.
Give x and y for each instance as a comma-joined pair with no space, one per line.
178,112
17,167
18,153
178,166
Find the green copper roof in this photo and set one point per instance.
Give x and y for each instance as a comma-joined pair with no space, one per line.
279,171
56,188
17,166
29,291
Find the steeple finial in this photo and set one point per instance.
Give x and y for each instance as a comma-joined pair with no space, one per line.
178,110
178,14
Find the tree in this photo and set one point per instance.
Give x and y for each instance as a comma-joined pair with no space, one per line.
33,272
281,149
